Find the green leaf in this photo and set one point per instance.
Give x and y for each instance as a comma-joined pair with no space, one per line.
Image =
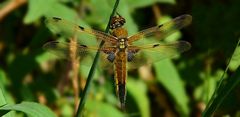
125,12
100,12
168,76
139,95
44,57
84,70
206,89
30,108
37,8
143,3
2,103
226,86
49,8
67,110
3,79
235,62
102,109
64,12
4,97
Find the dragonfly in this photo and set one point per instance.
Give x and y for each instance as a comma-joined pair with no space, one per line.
120,50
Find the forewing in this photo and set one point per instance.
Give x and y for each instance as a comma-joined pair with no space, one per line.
155,52
164,30
85,53
69,30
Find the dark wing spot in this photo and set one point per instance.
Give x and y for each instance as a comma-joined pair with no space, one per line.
56,19
81,27
160,25
55,42
182,20
58,34
83,46
130,56
155,45
111,57
51,44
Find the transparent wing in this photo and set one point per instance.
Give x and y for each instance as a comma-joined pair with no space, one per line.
69,30
86,54
155,52
163,30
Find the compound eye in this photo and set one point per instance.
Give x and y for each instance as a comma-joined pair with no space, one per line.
123,20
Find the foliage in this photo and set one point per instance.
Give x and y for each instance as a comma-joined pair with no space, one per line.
30,108
38,83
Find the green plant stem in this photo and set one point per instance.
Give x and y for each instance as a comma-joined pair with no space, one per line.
223,89
93,67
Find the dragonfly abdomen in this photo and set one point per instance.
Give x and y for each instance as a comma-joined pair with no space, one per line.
121,76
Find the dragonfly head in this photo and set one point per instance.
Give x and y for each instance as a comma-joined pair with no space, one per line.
117,21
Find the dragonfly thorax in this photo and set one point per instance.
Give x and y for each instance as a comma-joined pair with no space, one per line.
120,32
122,43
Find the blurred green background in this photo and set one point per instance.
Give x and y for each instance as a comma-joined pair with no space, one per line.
181,86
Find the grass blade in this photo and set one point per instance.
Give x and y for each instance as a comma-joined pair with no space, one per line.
92,70
224,88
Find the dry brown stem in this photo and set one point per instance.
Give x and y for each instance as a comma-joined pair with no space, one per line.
75,66
11,6
156,11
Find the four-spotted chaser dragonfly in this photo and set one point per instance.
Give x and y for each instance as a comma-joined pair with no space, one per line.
120,48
